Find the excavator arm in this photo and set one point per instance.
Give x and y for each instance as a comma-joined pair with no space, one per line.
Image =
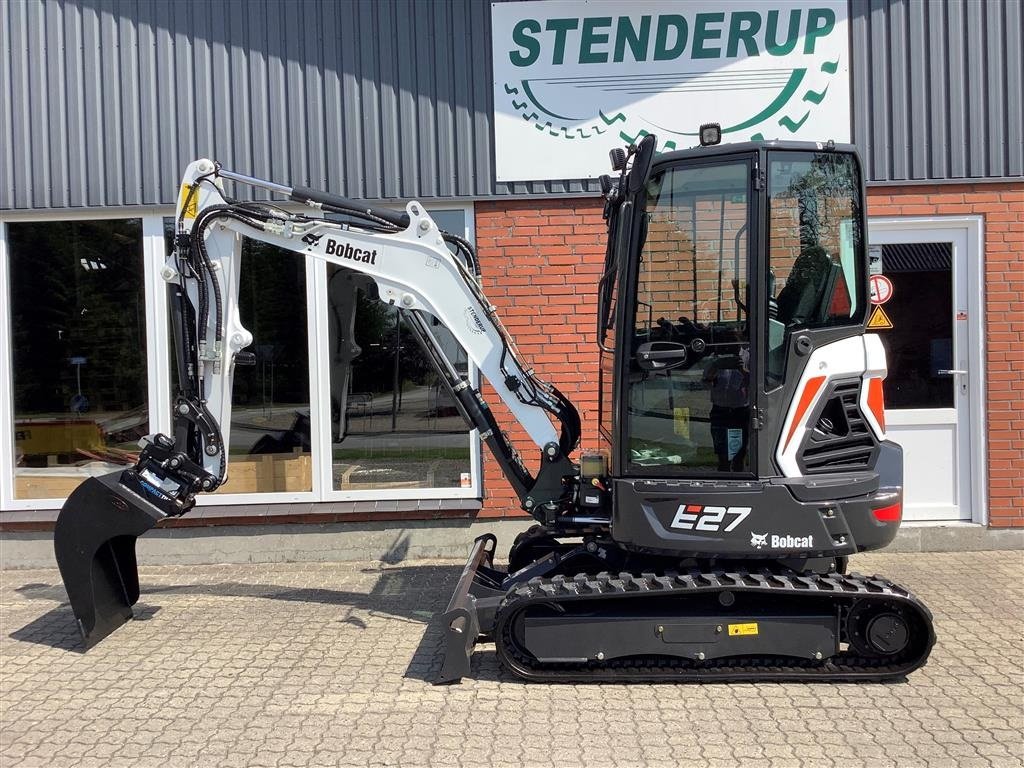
413,265
409,260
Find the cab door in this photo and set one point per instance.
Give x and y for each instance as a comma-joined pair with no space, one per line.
686,397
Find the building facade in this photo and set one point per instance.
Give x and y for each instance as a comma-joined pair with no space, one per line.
459,104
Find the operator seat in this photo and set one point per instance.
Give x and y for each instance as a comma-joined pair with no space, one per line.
800,299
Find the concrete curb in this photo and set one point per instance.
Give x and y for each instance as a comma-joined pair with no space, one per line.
332,542
394,543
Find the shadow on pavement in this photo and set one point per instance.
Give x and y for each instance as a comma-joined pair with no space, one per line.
411,593
57,628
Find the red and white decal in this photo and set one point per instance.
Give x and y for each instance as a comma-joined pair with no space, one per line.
872,399
881,289
838,359
698,517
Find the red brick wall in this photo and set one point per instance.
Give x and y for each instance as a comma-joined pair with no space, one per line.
1002,206
541,260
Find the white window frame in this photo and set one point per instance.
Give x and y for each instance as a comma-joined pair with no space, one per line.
7,470
159,374
322,371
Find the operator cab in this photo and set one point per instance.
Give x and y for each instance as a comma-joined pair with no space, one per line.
728,268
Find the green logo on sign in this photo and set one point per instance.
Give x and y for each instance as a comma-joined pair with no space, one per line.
753,71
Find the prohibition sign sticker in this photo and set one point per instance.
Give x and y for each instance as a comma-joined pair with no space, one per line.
881,289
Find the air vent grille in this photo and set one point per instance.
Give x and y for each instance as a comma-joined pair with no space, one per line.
840,439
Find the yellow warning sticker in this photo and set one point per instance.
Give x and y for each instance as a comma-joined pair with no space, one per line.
188,204
879,321
743,629
681,422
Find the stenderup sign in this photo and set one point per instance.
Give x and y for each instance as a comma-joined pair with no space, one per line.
574,79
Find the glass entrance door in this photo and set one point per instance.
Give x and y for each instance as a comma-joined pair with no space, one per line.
927,391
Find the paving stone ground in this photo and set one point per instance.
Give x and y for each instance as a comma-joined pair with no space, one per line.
327,664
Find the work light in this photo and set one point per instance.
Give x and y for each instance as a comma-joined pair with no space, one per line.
710,134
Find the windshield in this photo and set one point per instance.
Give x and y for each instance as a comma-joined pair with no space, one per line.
815,260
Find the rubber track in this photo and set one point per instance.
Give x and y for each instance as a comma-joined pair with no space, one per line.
844,667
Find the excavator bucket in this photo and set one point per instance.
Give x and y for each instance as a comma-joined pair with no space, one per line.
94,542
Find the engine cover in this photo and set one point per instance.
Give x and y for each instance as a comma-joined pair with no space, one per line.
757,519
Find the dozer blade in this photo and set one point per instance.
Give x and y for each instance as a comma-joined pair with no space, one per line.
470,611
94,542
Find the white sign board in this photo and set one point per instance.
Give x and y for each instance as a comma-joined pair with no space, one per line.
573,79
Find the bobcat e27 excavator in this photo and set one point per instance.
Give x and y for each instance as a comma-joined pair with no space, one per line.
744,454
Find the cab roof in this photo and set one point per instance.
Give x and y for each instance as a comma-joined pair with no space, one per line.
746,147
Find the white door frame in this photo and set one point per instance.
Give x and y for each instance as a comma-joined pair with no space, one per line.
969,229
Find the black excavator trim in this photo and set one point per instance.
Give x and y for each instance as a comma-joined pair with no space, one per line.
94,543
461,622
843,594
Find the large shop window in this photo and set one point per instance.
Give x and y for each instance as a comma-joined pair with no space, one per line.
78,344
270,444
394,424
90,343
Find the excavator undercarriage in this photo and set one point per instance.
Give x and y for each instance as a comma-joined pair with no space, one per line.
730,623
742,455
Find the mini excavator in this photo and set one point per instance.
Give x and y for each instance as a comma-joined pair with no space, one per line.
743,455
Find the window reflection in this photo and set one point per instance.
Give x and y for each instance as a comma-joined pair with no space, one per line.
77,309
814,259
689,380
921,343
393,422
270,447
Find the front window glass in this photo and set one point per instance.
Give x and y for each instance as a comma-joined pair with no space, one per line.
689,377
815,248
77,305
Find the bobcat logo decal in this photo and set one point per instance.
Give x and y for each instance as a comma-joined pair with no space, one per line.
758,540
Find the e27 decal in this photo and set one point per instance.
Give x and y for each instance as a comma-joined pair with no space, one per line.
697,517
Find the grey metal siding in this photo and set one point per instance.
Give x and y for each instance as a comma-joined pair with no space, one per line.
938,91
105,101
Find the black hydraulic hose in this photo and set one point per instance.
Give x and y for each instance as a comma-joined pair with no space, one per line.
198,267
467,250
205,267
217,297
318,198
569,418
